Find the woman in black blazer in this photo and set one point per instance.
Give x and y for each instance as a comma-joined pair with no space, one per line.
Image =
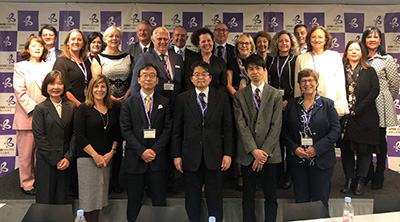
52,127
362,124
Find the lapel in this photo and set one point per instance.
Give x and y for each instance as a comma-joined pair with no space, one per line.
172,61
36,77
53,112
138,102
212,103
159,64
265,97
66,111
156,103
248,97
194,106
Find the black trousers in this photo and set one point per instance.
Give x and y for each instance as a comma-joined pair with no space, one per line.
269,180
381,157
348,163
212,179
135,183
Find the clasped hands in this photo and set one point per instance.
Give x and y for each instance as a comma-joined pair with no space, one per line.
260,159
63,164
148,155
305,154
102,161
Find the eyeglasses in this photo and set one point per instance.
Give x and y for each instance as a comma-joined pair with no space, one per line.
244,43
151,76
304,81
221,30
203,75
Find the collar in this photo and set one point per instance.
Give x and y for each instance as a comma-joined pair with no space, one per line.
159,54
183,49
147,46
52,50
144,95
56,104
216,45
206,91
254,87
317,102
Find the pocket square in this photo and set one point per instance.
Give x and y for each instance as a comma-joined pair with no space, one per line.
177,66
160,106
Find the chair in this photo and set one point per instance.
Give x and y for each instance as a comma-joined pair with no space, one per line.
386,203
162,214
49,213
304,211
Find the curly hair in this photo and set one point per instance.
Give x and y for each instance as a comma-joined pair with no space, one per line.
294,46
195,38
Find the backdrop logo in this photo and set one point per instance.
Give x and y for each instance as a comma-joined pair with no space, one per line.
297,20
10,59
275,21
7,83
314,22
10,101
392,22
155,18
335,43
109,18
396,64
216,20
3,168
135,18
52,18
378,20
358,38
152,21
353,23
397,147
93,18
9,143
7,42
314,19
110,21
235,38
338,42
10,18
69,21
256,19
5,125
396,40
192,22
131,41
27,21
232,23
338,20
396,104
175,19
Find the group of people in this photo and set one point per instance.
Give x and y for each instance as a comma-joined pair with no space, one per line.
275,116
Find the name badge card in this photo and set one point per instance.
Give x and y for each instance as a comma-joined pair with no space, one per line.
306,142
149,133
168,86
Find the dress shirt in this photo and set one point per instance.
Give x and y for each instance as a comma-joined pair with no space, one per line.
142,47
205,93
51,55
58,107
183,51
261,88
224,56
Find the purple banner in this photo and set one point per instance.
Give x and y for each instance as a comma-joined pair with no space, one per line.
393,146
273,21
6,80
110,19
155,18
314,19
392,21
69,20
354,22
8,41
338,42
6,121
7,165
128,38
28,20
234,21
192,20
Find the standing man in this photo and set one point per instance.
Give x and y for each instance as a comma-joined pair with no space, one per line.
202,143
143,33
49,36
300,31
169,63
258,115
221,48
146,127
179,36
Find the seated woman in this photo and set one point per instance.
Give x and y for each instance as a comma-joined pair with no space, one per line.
310,130
52,127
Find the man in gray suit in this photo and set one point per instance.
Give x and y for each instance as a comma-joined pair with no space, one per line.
258,115
143,33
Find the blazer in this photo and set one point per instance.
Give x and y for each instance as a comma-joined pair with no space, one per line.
261,133
27,81
54,136
58,52
135,49
218,70
230,54
152,57
194,140
133,121
325,128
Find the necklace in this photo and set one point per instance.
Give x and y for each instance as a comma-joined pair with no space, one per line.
105,123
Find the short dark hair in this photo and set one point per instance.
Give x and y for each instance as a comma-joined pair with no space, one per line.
146,66
298,26
255,60
195,38
201,64
262,34
380,49
92,36
49,27
51,77
26,56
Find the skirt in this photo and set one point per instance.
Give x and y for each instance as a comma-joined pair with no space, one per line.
93,184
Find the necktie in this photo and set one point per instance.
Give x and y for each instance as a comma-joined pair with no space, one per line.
258,100
203,103
179,51
220,50
164,62
148,103
145,49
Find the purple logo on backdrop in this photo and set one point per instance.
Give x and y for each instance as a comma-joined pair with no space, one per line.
6,83
192,20
3,168
135,18
69,20
338,42
338,20
52,18
257,19
155,18
354,22
10,18
175,19
28,20
297,20
396,40
9,142
10,59
273,21
110,19
393,146
5,124
216,19
358,38
93,18
392,21
11,101
128,38
314,19
8,41
234,21
378,20
235,38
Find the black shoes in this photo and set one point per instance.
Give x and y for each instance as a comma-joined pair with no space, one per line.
347,186
29,192
359,187
377,181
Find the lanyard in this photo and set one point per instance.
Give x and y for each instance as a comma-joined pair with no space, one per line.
203,109
145,109
283,66
84,70
255,101
307,117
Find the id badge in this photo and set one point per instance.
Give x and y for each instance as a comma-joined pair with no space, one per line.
149,133
169,86
282,91
306,142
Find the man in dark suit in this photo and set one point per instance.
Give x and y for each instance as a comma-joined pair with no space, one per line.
258,115
146,124
179,36
202,142
49,36
221,48
144,44
169,64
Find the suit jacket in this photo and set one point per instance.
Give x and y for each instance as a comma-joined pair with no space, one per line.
58,53
218,70
325,129
261,133
27,81
152,57
133,120
54,135
230,54
135,50
194,140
